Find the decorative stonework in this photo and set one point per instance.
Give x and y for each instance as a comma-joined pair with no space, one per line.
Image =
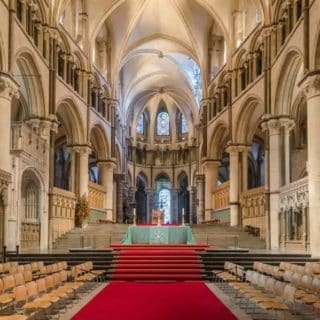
311,85
294,195
8,87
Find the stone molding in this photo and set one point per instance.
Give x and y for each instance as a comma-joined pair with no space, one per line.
9,88
294,195
311,85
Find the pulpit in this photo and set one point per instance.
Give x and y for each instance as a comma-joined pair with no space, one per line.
157,216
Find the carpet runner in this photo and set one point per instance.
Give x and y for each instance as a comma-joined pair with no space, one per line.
160,263
156,301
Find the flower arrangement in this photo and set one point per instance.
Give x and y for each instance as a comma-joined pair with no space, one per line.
82,209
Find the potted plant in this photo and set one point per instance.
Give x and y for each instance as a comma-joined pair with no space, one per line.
82,211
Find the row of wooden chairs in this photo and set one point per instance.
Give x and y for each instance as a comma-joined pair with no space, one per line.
268,269
287,266
48,295
265,291
85,272
7,267
231,272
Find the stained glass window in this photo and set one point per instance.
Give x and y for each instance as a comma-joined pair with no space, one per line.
140,125
165,203
163,124
184,125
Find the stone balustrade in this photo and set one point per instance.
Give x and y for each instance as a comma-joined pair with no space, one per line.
220,196
252,204
96,196
294,215
63,204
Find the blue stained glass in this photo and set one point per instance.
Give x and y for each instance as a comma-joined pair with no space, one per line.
140,125
165,203
184,125
163,124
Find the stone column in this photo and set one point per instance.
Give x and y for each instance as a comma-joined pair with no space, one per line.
244,175
150,203
200,179
311,85
288,125
107,168
192,205
8,90
120,179
174,206
83,152
234,185
275,177
210,170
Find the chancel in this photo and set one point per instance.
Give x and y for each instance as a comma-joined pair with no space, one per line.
160,159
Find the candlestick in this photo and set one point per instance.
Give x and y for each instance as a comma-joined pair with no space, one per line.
134,216
183,216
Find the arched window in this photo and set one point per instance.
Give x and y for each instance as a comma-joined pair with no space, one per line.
163,124
184,125
140,125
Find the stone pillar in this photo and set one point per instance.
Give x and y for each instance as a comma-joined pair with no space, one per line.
107,168
150,203
120,179
83,152
234,185
311,85
244,175
275,177
288,125
192,205
210,170
200,179
174,206
8,90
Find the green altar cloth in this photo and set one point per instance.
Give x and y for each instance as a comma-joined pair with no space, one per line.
158,234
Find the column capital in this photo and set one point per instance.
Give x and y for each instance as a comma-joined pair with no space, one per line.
108,163
210,164
82,149
310,84
273,124
237,148
9,88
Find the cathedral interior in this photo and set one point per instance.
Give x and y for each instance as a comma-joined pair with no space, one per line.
206,110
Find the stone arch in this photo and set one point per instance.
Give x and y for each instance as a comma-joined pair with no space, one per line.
287,82
71,119
99,142
248,120
219,139
27,74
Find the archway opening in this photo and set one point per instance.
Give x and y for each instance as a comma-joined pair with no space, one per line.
30,215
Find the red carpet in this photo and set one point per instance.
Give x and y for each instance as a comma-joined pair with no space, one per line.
158,265
164,301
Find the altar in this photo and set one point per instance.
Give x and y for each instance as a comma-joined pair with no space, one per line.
158,234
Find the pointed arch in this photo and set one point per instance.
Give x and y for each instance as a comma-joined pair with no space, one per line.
99,142
70,118
248,120
26,73
219,139
287,82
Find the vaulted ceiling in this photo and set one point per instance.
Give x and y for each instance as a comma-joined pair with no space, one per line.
158,45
